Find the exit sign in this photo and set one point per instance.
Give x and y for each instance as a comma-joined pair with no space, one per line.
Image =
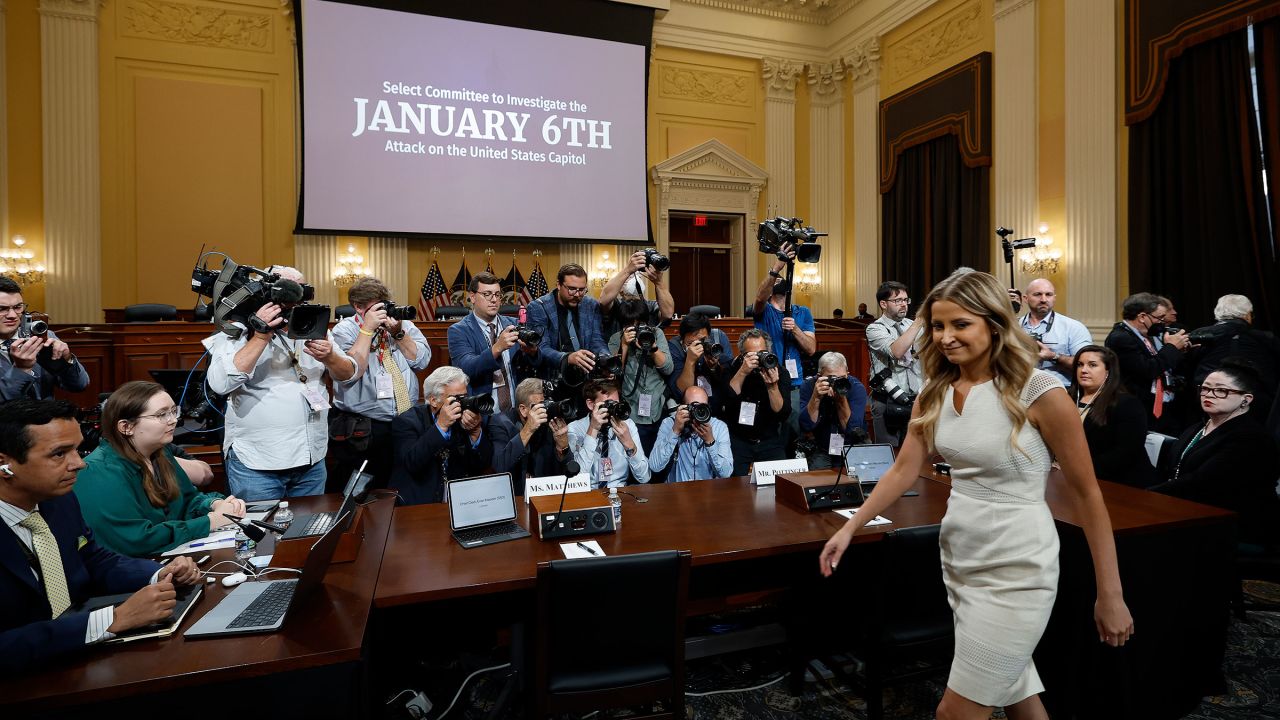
699,220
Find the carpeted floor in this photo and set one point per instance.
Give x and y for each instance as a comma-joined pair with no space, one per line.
1252,667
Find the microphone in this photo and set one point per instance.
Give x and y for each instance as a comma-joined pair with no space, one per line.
571,467
255,533
288,291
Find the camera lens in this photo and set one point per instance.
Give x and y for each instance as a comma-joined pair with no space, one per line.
700,412
766,360
656,259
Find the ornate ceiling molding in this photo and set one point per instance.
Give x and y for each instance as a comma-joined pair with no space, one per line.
813,12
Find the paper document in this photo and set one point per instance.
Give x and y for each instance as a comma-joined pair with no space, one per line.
879,519
212,541
584,549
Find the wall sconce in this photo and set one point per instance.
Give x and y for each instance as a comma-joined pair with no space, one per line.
1044,259
349,269
19,264
605,269
809,280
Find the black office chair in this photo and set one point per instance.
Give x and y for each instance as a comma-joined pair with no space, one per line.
711,311
590,654
901,632
509,310
149,312
343,311
451,312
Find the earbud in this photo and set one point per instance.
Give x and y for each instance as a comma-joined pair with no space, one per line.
6,470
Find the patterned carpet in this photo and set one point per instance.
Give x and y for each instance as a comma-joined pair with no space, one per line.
1252,667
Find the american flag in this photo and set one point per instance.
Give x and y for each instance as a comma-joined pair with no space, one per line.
434,293
458,291
513,285
537,285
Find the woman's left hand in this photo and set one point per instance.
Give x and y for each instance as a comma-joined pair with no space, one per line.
1114,623
231,505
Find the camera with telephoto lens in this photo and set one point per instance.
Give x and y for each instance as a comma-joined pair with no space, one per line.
700,412
236,293
839,383
528,335
616,410
885,389
34,325
653,258
400,312
574,376
646,338
773,234
766,360
478,404
562,409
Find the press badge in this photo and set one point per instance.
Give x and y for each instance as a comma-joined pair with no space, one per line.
645,405
316,399
606,471
793,368
705,384
747,413
835,446
383,385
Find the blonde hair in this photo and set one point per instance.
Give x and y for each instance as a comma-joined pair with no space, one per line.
1012,356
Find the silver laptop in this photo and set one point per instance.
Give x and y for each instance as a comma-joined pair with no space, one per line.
319,523
255,607
868,462
482,510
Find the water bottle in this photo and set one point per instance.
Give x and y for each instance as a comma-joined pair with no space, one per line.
616,502
283,515
245,546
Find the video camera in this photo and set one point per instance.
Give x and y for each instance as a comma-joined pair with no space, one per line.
773,234
237,292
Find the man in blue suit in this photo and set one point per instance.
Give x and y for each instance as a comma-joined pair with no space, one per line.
569,321
49,563
485,346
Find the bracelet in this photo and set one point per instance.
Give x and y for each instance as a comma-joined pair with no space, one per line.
365,332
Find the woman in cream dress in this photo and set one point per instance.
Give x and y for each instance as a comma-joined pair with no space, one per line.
997,421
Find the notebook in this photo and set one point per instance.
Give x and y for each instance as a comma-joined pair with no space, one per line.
482,510
187,595
319,523
261,606
868,462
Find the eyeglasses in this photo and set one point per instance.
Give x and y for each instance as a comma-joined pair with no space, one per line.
19,309
575,290
490,294
899,301
1220,392
164,415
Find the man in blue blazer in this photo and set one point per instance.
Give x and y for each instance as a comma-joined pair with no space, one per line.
49,563
484,345
573,342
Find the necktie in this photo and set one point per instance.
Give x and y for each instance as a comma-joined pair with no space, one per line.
51,572
500,378
398,385
1158,409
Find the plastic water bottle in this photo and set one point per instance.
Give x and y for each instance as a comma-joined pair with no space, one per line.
245,546
616,502
283,515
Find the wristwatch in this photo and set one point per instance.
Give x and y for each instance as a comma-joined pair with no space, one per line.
775,273
398,335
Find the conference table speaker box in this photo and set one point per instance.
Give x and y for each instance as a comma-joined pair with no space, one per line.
584,513
817,490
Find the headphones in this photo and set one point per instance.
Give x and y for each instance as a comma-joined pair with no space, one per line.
6,470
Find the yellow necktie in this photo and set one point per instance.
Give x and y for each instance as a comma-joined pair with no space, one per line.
46,547
397,380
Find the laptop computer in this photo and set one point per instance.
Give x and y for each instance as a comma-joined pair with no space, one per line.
868,462
482,510
319,523
255,607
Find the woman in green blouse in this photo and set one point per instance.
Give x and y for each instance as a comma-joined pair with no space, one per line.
132,492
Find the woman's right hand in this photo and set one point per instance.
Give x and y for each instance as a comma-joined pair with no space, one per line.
833,551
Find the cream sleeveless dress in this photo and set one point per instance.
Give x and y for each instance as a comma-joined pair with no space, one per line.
999,544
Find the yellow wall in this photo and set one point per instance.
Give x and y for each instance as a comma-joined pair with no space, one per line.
26,176
1051,115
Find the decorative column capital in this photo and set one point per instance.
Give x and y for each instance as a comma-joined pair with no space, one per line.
1007,7
824,82
71,9
780,77
863,64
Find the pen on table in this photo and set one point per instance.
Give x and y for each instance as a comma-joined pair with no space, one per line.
588,549
193,546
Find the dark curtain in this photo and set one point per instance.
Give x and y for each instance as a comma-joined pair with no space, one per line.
1266,58
936,216
1197,220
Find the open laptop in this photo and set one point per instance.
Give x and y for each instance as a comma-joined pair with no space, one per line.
319,523
255,607
482,510
868,462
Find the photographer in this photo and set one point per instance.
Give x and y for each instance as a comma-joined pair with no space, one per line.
1233,335
646,363
486,346
277,422
526,440
1058,337
391,350
890,342
1148,356
439,441
701,447
641,264
31,366
755,405
792,336
693,363
834,404
569,321
604,442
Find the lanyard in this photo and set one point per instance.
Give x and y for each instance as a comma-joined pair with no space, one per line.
1187,449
